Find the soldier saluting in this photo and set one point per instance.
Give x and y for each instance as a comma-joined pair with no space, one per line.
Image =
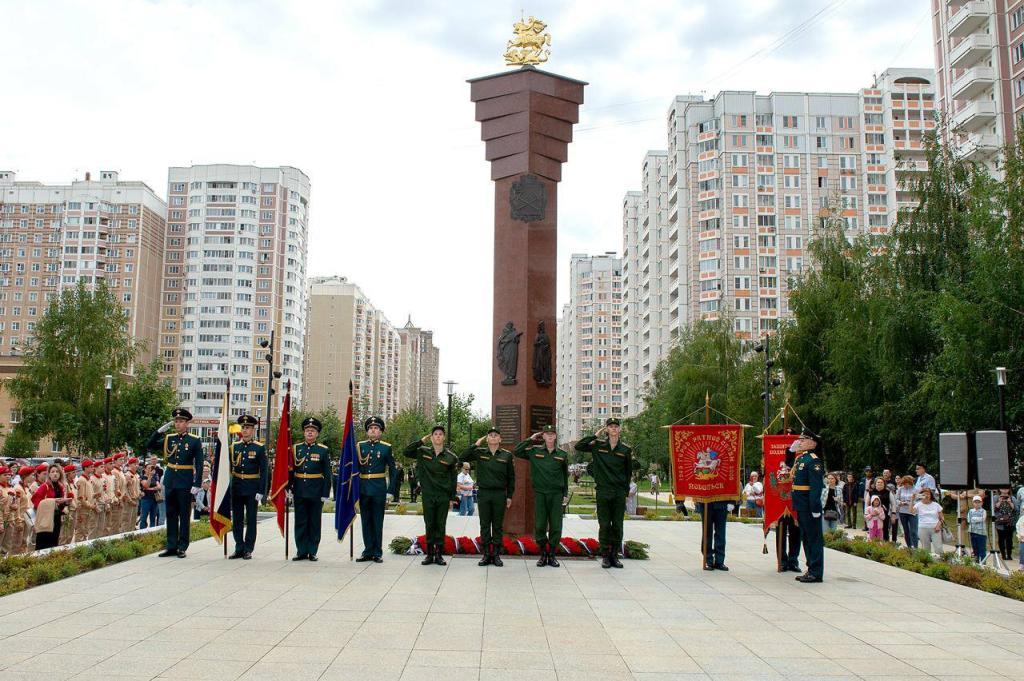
496,478
549,474
183,454
436,467
808,481
248,460
309,484
376,472
612,467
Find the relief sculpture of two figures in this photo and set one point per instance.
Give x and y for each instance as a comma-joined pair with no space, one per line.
508,355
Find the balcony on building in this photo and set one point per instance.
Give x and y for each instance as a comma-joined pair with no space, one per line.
973,82
975,116
972,17
979,146
970,51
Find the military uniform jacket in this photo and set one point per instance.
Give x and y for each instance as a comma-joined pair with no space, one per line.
183,459
248,467
494,471
808,481
311,475
377,467
611,466
437,473
549,470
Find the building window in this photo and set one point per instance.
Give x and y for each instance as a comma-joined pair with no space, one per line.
1018,52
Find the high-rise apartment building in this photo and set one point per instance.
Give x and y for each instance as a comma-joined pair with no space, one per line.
979,60
722,225
420,360
347,338
234,273
53,236
589,382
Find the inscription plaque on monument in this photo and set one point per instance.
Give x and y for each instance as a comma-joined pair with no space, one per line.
541,415
508,418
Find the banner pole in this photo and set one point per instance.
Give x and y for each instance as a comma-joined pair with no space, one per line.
351,545
287,505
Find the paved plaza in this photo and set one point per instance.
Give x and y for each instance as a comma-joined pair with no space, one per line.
335,620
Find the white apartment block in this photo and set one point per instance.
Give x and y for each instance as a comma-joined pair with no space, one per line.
722,226
347,338
979,60
589,382
420,362
234,272
53,236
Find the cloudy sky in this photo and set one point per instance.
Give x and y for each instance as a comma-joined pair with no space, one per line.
368,97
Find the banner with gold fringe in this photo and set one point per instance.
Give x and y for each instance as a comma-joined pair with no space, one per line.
706,461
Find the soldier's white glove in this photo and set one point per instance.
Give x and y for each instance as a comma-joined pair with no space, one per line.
289,496
730,507
259,498
815,515
195,490
325,499
164,428
565,501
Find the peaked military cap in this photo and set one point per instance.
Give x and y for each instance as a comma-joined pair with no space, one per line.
312,422
374,421
181,413
808,434
437,428
550,428
493,429
247,420
612,421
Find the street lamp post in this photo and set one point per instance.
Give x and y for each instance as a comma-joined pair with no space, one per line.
769,382
1001,386
271,375
451,391
108,384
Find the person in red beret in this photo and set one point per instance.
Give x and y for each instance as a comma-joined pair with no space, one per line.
85,513
134,493
67,528
119,517
37,478
20,518
6,497
51,502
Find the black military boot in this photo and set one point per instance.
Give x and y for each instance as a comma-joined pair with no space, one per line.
606,559
428,558
543,560
496,555
552,561
439,556
487,558
616,563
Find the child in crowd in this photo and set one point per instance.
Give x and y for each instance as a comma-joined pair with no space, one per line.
874,516
976,526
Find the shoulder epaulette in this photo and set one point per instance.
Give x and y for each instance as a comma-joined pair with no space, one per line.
361,442
385,443
257,442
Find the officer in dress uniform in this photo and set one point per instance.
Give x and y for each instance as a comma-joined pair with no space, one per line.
612,467
309,484
787,534
808,481
437,469
248,461
714,515
549,475
183,454
376,475
496,480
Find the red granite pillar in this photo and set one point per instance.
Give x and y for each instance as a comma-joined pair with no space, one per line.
526,120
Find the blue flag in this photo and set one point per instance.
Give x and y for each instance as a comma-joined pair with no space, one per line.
346,495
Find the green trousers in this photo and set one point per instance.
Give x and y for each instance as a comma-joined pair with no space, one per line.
491,504
435,517
610,511
308,514
547,513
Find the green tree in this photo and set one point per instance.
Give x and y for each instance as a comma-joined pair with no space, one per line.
60,388
331,433
141,405
467,424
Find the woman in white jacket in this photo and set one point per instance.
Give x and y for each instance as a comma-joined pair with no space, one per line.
1020,538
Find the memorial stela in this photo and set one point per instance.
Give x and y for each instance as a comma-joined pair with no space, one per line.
526,118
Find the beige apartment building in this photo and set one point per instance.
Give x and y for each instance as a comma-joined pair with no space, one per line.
418,375
723,222
590,336
234,278
347,338
979,62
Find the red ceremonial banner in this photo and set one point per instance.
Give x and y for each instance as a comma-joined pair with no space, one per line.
778,483
706,461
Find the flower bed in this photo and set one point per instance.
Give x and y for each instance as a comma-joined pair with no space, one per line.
947,567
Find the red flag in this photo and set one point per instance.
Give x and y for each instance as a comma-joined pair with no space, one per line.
706,461
778,483
282,460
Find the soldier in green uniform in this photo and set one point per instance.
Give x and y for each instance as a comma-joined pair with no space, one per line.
549,475
309,484
248,460
376,473
437,469
808,481
496,480
611,466
183,477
